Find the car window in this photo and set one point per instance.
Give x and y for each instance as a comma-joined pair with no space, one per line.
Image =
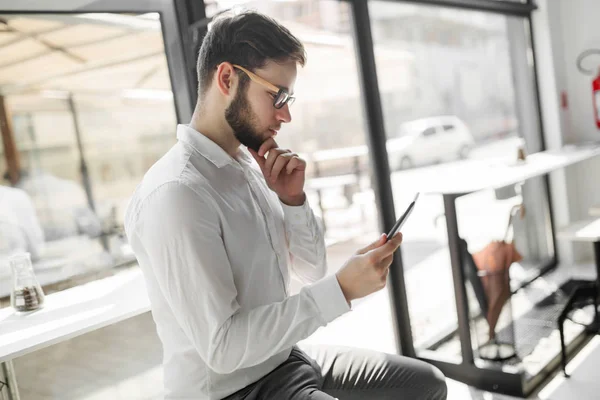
448,127
429,131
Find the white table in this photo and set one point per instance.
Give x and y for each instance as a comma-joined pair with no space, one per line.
453,180
468,176
585,231
582,231
68,314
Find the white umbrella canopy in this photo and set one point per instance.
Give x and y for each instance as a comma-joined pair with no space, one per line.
80,53
107,54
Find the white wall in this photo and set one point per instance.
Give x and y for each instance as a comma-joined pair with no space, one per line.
562,30
580,30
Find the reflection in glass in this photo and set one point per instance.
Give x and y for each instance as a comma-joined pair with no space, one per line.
457,90
89,115
328,130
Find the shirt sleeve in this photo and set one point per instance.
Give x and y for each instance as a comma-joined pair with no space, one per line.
306,242
180,231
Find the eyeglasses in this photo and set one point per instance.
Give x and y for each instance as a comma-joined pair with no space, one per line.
281,97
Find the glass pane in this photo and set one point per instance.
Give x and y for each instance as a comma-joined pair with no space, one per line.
466,76
89,116
328,129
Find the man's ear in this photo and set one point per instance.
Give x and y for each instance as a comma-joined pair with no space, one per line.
226,78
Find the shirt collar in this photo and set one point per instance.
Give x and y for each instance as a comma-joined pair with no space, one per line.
203,145
245,155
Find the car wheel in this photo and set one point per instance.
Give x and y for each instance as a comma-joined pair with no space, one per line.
464,151
406,162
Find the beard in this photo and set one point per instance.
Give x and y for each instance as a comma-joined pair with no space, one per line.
240,118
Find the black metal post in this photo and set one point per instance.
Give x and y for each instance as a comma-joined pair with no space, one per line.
379,161
460,292
188,13
597,261
8,371
85,175
536,82
87,185
320,197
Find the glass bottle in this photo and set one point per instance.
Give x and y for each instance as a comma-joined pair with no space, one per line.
27,294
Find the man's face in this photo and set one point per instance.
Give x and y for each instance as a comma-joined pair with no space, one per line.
251,114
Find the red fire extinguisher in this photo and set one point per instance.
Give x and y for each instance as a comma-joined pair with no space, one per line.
595,83
596,98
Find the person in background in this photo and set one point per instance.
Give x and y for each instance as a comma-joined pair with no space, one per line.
20,229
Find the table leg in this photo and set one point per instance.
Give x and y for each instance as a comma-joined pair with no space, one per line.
11,380
594,327
597,260
460,292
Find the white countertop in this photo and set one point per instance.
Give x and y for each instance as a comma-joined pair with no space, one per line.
73,312
469,176
582,231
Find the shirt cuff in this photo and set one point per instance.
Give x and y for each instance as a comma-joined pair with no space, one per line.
330,300
297,215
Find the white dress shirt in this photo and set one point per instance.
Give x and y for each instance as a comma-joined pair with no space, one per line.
216,247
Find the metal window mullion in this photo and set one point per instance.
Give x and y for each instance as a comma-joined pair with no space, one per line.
494,6
378,157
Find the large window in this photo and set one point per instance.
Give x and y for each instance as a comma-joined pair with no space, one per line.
455,86
462,91
91,109
328,129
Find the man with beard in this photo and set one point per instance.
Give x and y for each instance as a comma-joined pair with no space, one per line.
218,229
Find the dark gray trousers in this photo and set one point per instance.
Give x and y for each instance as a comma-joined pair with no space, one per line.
330,372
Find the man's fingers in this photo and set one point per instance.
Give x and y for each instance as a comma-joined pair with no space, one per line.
280,163
276,160
267,145
384,273
289,161
380,241
388,248
260,160
274,154
295,163
386,262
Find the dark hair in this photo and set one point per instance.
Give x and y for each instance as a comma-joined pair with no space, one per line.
248,39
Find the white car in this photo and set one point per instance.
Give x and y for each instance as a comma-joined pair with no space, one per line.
428,141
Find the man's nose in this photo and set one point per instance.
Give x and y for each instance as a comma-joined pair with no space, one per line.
284,115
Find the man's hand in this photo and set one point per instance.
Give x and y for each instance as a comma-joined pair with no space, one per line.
366,272
283,170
